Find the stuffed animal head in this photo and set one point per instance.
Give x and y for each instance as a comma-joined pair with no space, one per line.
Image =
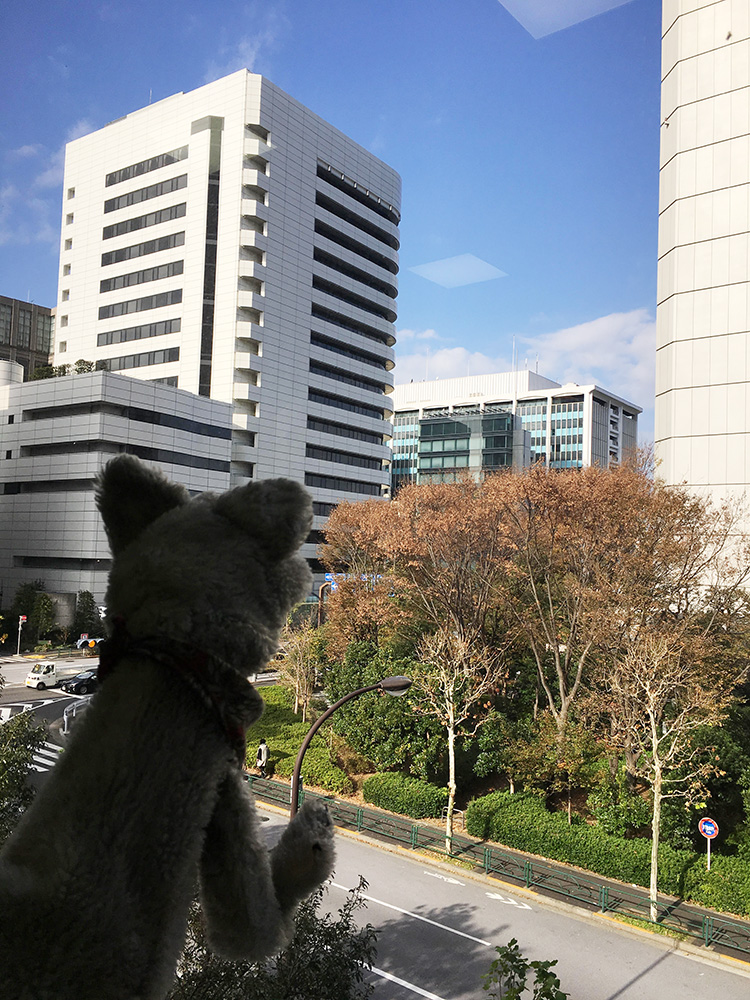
218,571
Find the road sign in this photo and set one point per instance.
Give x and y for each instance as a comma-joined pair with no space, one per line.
708,827
21,618
84,635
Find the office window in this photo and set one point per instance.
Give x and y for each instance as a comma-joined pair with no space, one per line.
6,315
71,193
24,328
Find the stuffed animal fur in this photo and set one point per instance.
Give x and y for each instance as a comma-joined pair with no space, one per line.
149,798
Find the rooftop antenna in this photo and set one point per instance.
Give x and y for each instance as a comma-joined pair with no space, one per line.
150,92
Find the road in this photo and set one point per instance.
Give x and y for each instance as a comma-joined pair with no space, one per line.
438,928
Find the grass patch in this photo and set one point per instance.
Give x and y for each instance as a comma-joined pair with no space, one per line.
647,925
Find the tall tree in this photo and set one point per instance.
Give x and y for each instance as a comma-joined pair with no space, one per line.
302,647
454,679
665,693
87,619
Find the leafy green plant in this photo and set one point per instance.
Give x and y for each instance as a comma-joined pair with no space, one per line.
508,974
19,739
326,960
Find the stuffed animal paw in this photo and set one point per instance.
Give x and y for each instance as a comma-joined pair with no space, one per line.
149,798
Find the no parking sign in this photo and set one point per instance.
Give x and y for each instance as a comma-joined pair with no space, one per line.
709,828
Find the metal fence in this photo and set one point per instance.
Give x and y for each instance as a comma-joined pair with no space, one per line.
592,893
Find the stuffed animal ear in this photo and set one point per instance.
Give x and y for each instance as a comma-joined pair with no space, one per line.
277,512
130,495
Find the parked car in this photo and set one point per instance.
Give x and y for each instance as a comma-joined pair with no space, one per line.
84,683
42,675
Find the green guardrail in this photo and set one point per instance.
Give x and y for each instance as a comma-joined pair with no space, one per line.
594,894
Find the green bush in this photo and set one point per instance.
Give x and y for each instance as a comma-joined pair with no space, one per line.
398,793
522,821
726,887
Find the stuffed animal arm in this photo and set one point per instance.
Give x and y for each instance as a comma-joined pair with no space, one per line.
149,800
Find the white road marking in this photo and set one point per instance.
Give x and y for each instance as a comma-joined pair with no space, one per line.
408,986
4,715
445,878
506,899
417,916
46,757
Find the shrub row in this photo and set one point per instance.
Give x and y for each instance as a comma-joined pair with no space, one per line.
522,821
398,793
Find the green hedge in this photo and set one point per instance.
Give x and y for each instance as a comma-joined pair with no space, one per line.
398,793
521,821
726,887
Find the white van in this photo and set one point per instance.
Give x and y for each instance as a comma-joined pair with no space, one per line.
42,675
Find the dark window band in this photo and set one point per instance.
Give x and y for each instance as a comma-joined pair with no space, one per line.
341,485
142,360
327,399
145,194
342,457
139,332
146,166
144,221
141,305
143,249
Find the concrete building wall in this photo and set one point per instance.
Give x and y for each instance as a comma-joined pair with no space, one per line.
277,277
56,434
702,418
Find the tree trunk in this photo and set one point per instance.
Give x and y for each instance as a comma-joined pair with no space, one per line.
655,829
451,788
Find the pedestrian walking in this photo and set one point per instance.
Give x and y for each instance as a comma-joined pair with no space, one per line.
261,758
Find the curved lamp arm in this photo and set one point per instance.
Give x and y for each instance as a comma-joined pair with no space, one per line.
393,685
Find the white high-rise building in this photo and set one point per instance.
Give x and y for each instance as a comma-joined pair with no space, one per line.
703,301
232,243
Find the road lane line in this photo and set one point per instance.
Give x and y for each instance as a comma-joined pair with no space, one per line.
407,986
417,916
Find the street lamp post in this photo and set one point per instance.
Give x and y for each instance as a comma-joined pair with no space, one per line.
392,685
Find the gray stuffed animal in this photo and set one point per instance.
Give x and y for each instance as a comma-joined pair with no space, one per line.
149,798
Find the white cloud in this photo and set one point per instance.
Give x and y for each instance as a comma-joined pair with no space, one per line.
24,152
543,17
446,362
52,177
617,351
250,50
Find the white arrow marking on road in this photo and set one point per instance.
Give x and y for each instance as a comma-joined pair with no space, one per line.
445,878
417,916
409,986
505,899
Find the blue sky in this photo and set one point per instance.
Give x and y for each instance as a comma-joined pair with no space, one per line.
526,138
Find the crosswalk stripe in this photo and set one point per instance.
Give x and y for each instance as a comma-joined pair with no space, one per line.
45,757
